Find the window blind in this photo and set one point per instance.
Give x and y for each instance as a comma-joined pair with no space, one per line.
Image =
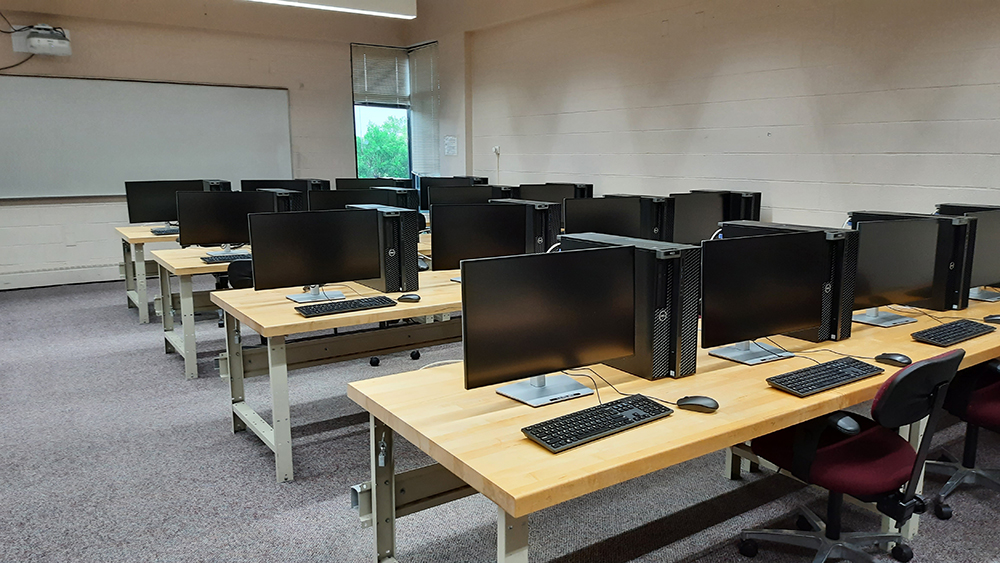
380,75
424,108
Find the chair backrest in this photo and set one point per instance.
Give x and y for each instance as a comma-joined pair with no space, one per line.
240,273
910,395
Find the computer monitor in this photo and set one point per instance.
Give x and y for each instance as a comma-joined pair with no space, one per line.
554,193
299,184
365,183
311,248
340,199
620,216
536,314
219,218
697,215
424,183
156,200
477,230
895,266
760,286
459,194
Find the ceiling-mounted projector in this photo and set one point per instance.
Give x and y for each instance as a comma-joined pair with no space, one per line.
44,40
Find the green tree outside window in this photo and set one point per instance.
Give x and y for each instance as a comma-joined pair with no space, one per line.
383,150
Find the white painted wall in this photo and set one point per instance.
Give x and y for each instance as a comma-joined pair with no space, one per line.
824,106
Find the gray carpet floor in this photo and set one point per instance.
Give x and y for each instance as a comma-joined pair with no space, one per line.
109,454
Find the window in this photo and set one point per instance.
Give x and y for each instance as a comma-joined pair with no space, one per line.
395,110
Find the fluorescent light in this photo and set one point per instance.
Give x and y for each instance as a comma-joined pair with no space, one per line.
402,9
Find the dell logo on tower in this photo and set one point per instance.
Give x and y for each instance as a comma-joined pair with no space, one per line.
392,252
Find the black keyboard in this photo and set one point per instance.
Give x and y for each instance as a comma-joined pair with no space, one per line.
165,230
813,379
334,307
952,333
570,430
220,258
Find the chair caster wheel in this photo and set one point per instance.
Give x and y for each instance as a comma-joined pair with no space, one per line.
942,511
415,355
748,548
803,524
902,553
374,361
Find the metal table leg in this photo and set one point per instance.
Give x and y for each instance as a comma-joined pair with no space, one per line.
512,538
187,325
234,359
281,420
383,491
167,314
129,274
139,269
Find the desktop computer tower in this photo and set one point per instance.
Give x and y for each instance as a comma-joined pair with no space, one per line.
288,200
544,222
398,230
738,206
667,283
407,198
838,294
953,258
656,216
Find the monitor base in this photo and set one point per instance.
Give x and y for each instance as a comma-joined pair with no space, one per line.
552,389
315,295
874,317
750,353
983,294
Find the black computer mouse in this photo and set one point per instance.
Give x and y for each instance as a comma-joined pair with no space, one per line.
697,403
898,360
408,298
995,319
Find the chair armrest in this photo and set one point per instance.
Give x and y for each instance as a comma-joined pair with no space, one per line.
807,437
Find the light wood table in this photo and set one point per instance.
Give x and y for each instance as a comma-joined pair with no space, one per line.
272,315
475,436
424,244
133,256
184,263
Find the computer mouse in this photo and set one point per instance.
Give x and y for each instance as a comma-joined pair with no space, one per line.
898,360
408,298
697,403
995,319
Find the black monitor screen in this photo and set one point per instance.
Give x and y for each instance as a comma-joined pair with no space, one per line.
536,314
314,247
895,262
479,230
364,183
760,286
553,193
296,185
611,216
213,218
427,182
697,216
156,200
340,199
463,194
986,257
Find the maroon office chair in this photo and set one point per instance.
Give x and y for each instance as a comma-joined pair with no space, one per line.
973,397
864,458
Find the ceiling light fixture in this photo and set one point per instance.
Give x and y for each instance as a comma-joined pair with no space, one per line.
401,9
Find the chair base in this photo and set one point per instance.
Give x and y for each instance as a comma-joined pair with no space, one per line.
961,475
849,546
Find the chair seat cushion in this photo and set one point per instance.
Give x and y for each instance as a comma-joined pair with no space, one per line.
984,407
872,463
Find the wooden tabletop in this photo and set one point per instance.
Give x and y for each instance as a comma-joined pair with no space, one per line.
424,244
187,261
476,434
270,314
142,234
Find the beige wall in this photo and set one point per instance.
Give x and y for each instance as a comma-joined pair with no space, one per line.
825,106
304,51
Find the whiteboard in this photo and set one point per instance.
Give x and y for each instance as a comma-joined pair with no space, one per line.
78,137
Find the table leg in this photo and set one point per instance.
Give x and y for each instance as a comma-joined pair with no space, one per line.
129,272
187,325
512,538
140,283
234,358
383,490
281,421
167,312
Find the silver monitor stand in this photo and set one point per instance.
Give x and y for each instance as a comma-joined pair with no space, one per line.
884,319
983,294
227,250
315,295
545,390
750,353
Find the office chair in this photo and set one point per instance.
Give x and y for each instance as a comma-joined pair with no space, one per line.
973,397
240,274
864,458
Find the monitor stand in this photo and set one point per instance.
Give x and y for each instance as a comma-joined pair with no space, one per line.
750,353
545,390
227,250
883,319
983,294
315,295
